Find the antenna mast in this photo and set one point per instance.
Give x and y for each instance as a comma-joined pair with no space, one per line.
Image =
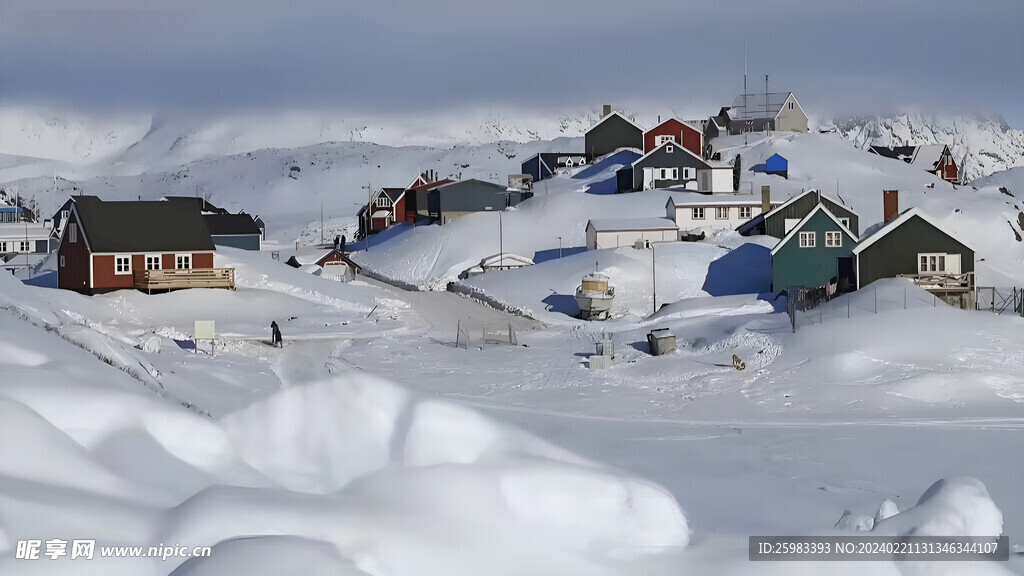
745,111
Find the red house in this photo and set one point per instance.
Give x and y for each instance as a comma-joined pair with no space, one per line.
673,130
146,245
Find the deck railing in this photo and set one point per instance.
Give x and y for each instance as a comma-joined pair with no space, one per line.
939,282
150,280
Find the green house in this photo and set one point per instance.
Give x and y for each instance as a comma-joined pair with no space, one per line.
818,249
913,246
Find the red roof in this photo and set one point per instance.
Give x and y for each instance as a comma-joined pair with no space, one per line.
430,185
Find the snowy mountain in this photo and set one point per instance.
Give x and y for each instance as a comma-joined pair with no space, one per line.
981,146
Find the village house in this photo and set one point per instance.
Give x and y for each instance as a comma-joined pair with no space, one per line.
696,213
912,245
780,220
934,158
762,112
495,262
25,244
149,245
778,165
817,251
234,230
674,130
668,165
544,165
612,132
329,263
454,199
612,233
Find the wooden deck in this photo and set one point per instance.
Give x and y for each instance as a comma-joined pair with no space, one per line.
934,282
150,280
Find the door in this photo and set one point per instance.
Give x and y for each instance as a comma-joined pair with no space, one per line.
648,178
846,274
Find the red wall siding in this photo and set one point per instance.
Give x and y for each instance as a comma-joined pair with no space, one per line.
332,257
400,213
692,141
75,273
685,136
167,261
103,275
202,260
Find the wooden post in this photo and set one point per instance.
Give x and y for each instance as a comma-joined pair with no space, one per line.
458,330
904,297
876,300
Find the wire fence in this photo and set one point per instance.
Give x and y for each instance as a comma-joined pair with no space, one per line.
501,333
809,309
1000,300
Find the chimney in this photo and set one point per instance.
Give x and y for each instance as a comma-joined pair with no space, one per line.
766,199
606,110
890,204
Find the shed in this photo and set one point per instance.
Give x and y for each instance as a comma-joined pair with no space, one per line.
613,233
777,164
661,341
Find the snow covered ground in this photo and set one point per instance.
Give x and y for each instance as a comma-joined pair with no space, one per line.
372,443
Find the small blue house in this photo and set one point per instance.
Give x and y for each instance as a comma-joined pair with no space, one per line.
776,164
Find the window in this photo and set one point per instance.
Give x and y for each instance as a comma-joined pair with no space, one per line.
745,212
807,239
790,105
64,215
24,246
928,263
72,233
183,261
382,202
675,173
698,213
153,261
61,261
122,264
689,173
669,149
3,247
833,239
721,212
664,173
845,222
663,138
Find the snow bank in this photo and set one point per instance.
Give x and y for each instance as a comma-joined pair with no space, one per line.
950,507
270,556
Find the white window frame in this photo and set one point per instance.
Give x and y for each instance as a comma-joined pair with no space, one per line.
664,174
159,261
746,212
669,149
664,138
25,245
845,222
808,239
126,268
688,173
697,212
833,239
719,211
72,233
675,173
790,105
179,258
382,202
3,247
934,262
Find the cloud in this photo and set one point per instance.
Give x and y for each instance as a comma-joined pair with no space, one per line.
386,55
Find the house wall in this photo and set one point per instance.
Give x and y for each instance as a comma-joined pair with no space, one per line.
598,240
775,225
608,136
811,267
105,277
896,252
74,275
471,196
791,120
243,241
684,135
662,158
683,217
715,180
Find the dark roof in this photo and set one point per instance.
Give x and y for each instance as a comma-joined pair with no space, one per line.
431,185
393,193
230,224
905,153
150,226
201,203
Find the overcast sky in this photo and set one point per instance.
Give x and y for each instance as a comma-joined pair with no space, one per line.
423,55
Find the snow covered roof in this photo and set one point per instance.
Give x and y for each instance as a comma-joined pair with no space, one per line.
905,153
796,229
381,214
686,123
504,260
717,200
895,223
928,156
620,224
431,185
755,106
20,231
805,193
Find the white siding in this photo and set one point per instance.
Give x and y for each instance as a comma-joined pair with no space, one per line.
616,239
684,218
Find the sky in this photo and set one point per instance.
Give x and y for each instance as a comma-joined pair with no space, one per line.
423,56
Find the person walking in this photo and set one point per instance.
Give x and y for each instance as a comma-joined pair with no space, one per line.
275,335
342,243
337,240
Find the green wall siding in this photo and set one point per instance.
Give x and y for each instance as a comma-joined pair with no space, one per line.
796,266
775,225
896,252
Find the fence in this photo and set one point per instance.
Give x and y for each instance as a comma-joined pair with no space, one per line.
501,333
869,300
1000,300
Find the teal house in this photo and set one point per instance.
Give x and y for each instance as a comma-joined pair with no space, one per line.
817,251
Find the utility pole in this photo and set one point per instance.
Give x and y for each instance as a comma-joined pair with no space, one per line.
746,112
559,247
321,221
767,124
369,212
654,282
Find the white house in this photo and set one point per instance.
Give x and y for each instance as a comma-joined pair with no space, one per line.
694,214
25,244
715,177
616,232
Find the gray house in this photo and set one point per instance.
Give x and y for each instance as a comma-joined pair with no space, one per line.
667,165
781,220
612,131
449,201
234,230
